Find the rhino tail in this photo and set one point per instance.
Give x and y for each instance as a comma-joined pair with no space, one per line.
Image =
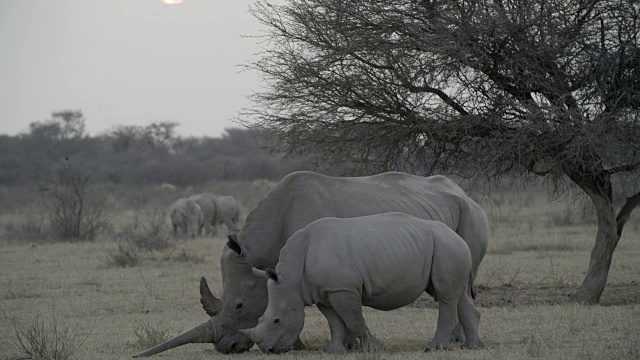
472,290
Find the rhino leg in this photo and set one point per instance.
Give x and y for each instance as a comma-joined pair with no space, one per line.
447,320
298,345
338,329
470,318
457,336
348,306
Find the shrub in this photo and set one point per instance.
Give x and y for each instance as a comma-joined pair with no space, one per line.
27,228
74,214
126,254
40,341
149,232
147,236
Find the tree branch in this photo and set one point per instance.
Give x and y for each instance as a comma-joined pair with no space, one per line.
441,94
623,168
626,211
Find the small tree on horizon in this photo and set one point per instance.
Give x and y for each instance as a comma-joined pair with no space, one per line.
488,89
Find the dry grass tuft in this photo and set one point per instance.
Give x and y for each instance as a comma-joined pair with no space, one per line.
126,254
148,336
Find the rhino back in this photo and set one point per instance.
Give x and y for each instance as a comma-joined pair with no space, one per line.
387,257
303,197
207,205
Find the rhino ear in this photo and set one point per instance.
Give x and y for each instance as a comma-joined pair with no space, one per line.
271,274
233,244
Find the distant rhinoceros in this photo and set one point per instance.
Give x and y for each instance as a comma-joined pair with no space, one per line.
216,210
299,199
186,215
382,261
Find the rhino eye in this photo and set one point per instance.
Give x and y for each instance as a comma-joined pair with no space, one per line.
239,306
276,321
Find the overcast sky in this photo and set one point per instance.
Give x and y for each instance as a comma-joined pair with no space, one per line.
126,62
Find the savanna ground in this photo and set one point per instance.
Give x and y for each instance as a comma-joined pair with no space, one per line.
538,255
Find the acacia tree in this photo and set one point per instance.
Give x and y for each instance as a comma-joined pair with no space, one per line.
545,88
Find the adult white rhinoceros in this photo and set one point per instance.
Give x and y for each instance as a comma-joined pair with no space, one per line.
216,210
186,215
382,261
298,200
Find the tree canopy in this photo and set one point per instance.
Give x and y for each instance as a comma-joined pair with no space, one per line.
485,88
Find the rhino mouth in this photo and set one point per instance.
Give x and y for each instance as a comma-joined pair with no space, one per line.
233,344
273,350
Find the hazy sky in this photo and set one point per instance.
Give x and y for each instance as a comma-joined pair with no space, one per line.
126,62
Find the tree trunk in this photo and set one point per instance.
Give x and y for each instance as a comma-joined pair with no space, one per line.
606,241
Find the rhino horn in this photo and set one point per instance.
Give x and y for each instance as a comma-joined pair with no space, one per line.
203,333
210,303
250,333
259,273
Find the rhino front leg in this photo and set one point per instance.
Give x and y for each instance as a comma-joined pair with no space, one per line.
338,329
348,306
470,318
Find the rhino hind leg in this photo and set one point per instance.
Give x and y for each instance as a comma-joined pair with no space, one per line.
338,330
447,320
470,318
348,306
457,335
298,345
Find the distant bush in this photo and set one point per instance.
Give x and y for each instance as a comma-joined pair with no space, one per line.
27,228
149,232
73,214
146,236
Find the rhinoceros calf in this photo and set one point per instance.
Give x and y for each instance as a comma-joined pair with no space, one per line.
382,261
186,215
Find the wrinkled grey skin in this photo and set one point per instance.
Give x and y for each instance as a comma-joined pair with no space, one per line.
382,261
185,215
218,209
303,197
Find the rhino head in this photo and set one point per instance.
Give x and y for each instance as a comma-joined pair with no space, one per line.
283,320
244,299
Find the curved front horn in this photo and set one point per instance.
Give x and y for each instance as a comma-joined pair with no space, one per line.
211,304
203,333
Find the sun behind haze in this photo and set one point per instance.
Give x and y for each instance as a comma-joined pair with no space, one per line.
126,62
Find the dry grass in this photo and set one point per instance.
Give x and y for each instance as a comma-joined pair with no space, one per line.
525,251
148,336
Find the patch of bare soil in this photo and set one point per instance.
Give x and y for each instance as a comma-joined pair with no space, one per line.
532,295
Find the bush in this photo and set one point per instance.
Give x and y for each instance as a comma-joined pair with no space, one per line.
27,228
126,254
149,232
147,236
40,341
74,214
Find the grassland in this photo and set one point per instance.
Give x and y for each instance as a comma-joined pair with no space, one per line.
538,255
